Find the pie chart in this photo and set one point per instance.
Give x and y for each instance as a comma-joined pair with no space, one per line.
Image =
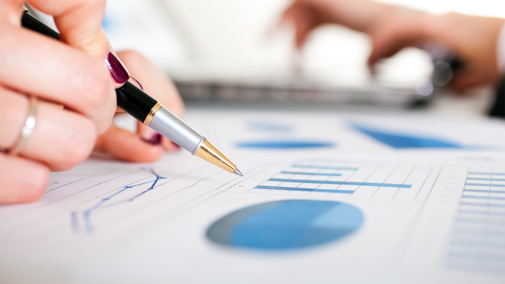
286,224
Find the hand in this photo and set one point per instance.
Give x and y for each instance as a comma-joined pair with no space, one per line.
146,145
391,28
72,82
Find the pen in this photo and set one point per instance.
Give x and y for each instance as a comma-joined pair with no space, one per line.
152,113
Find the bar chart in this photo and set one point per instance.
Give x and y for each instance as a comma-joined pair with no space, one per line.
478,240
356,180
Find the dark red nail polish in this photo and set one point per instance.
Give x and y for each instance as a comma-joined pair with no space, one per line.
155,140
117,69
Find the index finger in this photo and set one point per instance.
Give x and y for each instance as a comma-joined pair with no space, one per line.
79,23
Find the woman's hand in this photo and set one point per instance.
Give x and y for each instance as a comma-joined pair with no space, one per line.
74,82
391,28
146,145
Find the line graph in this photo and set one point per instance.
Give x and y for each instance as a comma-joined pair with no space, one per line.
105,203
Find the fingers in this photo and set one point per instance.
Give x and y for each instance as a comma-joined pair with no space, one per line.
79,23
396,29
153,81
468,78
303,20
388,43
127,146
156,84
61,139
21,180
57,73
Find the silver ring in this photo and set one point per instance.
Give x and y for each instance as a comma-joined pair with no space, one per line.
27,129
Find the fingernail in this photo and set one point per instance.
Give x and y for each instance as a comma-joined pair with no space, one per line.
116,68
154,140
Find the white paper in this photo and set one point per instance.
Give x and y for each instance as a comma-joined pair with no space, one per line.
430,215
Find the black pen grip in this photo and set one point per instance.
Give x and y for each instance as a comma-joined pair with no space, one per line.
134,101
32,23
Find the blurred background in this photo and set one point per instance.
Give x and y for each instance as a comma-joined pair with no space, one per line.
229,50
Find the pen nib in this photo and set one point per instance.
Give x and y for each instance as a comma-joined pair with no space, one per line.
237,172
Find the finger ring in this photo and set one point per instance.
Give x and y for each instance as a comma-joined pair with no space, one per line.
27,129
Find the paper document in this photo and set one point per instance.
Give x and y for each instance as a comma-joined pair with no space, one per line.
325,198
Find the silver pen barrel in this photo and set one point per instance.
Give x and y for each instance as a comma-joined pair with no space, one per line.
172,127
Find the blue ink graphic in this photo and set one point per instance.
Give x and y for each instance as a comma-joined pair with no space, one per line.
287,224
311,174
304,189
401,141
477,241
285,144
325,167
358,183
104,203
268,126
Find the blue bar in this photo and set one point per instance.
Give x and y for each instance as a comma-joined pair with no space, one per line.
484,197
483,204
304,189
342,182
485,190
491,179
312,174
486,184
325,168
479,173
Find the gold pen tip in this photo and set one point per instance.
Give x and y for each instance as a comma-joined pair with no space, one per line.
237,172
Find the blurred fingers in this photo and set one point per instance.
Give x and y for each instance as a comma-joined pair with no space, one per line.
21,180
304,20
467,78
153,81
128,146
156,84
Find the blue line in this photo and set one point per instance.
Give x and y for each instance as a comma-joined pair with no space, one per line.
86,214
485,190
312,174
343,182
483,204
325,168
479,173
483,197
486,184
491,179
304,189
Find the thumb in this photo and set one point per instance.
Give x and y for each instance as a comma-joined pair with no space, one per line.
79,23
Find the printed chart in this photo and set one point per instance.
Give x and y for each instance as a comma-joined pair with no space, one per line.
478,240
287,224
357,180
